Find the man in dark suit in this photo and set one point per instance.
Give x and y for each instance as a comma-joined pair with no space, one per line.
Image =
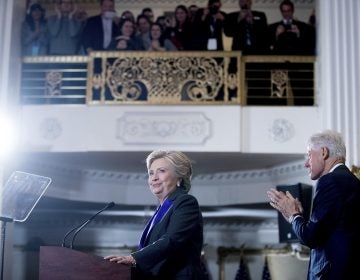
208,27
291,36
101,29
247,28
333,230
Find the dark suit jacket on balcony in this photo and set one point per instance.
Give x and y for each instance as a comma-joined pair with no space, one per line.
289,42
173,247
333,232
93,34
206,29
238,30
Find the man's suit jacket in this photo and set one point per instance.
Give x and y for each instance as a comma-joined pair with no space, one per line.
333,232
238,31
206,29
173,247
93,34
289,42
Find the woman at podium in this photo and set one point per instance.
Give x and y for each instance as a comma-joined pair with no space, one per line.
171,243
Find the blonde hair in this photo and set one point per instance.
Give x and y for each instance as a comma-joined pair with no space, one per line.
181,163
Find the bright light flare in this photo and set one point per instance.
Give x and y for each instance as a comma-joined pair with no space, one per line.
7,136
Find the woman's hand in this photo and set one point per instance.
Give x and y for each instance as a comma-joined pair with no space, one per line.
122,43
155,46
121,259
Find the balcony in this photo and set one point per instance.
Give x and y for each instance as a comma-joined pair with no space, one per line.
172,78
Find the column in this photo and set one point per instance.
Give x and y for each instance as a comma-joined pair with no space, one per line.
6,89
6,12
339,70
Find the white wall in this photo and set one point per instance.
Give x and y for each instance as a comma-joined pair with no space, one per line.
188,128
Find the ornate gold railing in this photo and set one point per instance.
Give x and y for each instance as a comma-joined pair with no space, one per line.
168,78
278,80
162,78
54,80
356,170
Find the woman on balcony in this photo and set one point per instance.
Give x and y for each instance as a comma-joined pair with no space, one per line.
34,37
126,40
157,40
179,29
143,25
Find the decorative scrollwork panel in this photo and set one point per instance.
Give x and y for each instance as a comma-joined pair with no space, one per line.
170,78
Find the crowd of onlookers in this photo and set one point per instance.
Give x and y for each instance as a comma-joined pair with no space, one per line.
70,31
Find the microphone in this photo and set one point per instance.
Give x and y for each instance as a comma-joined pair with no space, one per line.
78,228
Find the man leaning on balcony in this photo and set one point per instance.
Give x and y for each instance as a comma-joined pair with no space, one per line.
100,30
289,35
208,27
64,29
247,28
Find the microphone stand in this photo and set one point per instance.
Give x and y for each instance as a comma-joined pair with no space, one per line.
68,233
77,232
78,228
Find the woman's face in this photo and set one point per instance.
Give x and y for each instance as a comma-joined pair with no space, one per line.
127,28
155,32
36,14
180,15
162,178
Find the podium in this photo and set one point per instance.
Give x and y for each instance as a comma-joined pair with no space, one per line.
18,197
60,263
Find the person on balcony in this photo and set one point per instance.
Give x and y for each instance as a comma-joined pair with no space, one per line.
34,37
179,29
148,12
127,14
100,30
157,40
162,21
208,27
64,29
247,28
193,9
126,39
143,24
291,36
171,243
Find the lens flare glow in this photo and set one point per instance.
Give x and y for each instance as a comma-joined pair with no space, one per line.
7,136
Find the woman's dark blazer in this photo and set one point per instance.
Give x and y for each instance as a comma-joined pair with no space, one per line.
333,232
173,249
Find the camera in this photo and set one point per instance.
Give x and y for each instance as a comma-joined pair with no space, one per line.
214,9
287,26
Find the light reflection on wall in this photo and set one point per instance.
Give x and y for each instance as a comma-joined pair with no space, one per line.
7,137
